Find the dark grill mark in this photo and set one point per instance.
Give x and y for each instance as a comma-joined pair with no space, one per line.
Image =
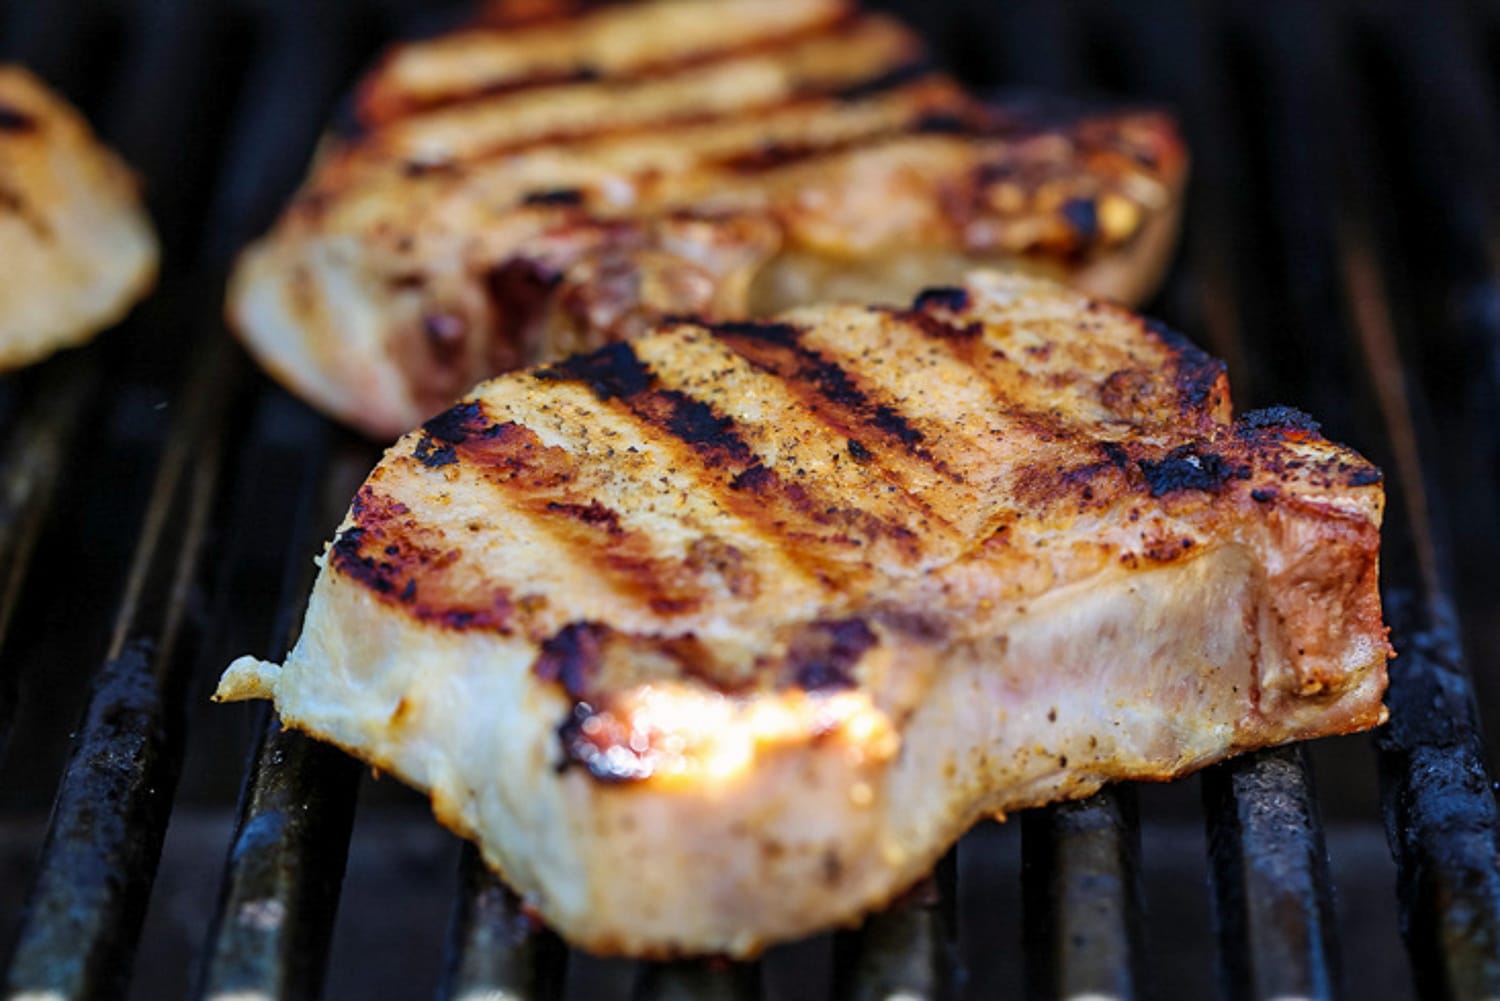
554,196
382,109
781,508
417,169
774,333
884,81
1116,454
951,297
593,513
612,371
944,123
15,120
961,338
1197,372
859,452
769,156
894,423
756,479
695,422
387,552
348,560
571,657
817,380
378,106
545,482
1365,477
453,426
434,456
1190,468
824,654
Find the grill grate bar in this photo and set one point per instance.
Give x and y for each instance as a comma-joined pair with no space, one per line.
1082,896
274,922
99,859
496,949
1441,819
1329,311
906,950
1270,878
1437,794
35,452
1269,869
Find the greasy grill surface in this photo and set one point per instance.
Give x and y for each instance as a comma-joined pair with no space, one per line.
159,505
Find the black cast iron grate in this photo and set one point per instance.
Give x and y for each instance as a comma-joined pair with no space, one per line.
159,503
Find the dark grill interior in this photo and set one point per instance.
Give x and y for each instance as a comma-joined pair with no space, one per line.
160,503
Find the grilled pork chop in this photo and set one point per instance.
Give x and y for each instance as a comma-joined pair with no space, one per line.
76,248
515,193
724,635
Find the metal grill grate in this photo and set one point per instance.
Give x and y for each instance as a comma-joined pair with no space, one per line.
159,503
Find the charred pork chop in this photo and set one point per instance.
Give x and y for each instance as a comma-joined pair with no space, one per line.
512,193
76,248
723,635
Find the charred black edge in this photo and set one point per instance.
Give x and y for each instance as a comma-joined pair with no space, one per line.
1275,423
453,426
434,456
1197,371
1190,467
1278,418
458,423
347,559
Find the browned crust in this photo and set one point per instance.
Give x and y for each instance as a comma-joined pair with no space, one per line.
688,179
1172,449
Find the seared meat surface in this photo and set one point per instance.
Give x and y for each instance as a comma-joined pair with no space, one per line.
513,192
724,635
76,248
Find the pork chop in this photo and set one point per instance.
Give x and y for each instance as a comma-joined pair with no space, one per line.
76,246
724,635
511,193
